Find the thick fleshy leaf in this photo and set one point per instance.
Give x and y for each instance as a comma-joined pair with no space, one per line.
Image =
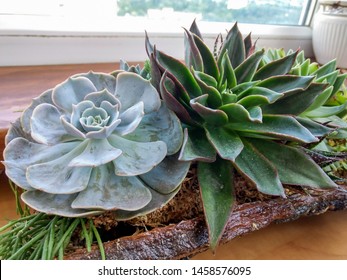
295,102
97,152
130,119
158,200
19,154
329,78
100,80
256,96
234,45
325,69
46,127
226,142
94,118
106,191
180,71
131,89
320,99
238,113
170,168
246,70
55,204
314,127
57,176
227,73
196,146
195,29
72,91
216,182
293,165
101,96
339,82
214,99
166,88
162,125
71,129
192,54
205,79
239,89
211,116
325,111
16,130
104,132
254,166
249,46
276,126
210,65
45,97
278,67
77,111
135,159
286,83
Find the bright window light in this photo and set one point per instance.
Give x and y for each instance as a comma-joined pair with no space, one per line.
31,30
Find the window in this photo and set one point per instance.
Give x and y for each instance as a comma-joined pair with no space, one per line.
78,31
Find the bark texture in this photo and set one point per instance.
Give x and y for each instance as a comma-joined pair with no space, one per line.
190,237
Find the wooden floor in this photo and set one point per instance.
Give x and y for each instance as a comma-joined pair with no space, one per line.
317,237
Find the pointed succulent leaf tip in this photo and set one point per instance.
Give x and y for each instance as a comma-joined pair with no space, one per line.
246,70
218,194
234,46
278,67
195,29
88,141
192,57
209,62
296,101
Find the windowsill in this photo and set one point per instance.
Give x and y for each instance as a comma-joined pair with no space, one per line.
35,40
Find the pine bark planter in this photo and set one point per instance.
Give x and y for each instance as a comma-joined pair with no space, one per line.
189,237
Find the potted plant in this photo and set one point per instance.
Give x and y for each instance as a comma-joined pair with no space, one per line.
330,32
221,145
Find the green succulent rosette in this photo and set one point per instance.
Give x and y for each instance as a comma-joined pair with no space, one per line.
96,142
240,115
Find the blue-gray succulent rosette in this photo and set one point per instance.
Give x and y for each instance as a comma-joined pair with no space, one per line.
96,142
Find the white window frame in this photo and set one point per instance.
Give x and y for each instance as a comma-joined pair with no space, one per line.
37,41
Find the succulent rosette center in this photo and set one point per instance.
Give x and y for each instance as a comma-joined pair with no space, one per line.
96,142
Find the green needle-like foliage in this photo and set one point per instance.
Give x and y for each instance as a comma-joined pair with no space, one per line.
241,114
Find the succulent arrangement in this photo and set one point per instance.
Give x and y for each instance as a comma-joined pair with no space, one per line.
247,113
124,141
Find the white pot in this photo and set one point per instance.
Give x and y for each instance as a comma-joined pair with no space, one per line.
329,38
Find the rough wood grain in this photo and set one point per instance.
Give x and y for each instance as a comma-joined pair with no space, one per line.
190,237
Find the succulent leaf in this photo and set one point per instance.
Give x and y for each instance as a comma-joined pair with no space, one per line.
276,126
293,165
234,46
246,70
196,147
260,171
278,67
226,142
290,103
217,190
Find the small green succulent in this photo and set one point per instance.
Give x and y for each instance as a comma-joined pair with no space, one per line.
241,114
330,106
96,142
